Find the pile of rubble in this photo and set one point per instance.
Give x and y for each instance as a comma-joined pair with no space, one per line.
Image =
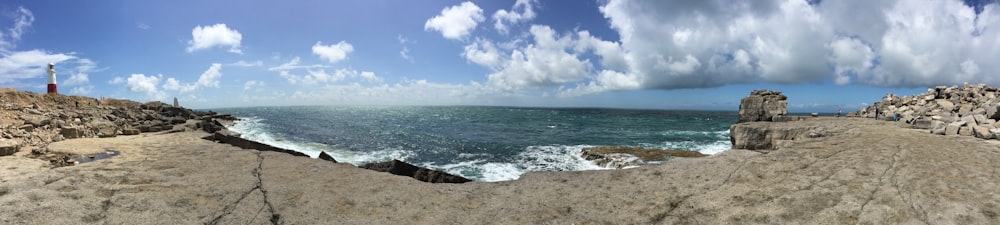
972,110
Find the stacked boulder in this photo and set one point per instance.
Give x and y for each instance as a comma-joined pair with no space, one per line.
970,110
763,105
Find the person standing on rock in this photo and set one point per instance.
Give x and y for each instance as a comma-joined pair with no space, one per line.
876,113
839,111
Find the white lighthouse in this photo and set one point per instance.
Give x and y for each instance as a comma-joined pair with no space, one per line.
52,79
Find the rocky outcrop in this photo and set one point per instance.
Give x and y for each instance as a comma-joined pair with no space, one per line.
763,105
35,120
624,156
409,170
324,156
234,139
970,110
765,138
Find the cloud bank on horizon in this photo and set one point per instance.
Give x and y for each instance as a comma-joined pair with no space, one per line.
655,45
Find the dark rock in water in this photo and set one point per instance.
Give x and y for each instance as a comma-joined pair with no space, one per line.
234,139
624,156
324,156
763,105
422,174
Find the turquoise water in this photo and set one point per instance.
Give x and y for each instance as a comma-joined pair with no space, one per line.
481,143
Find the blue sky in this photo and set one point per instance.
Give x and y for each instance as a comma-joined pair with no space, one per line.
609,53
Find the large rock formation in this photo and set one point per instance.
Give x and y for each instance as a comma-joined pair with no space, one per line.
765,138
422,174
970,110
763,105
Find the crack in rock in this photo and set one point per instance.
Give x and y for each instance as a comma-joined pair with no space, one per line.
274,219
726,181
922,216
881,179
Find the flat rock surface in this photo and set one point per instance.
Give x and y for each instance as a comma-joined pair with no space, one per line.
859,172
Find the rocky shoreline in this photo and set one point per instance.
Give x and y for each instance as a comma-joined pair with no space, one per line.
821,170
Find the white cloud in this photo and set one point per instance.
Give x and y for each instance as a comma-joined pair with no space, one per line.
82,90
215,35
332,53
76,79
405,53
146,85
319,77
209,78
456,22
117,80
904,43
22,19
142,26
502,18
242,63
252,84
482,52
20,65
293,64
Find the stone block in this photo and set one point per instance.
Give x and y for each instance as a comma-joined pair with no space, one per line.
762,105
952,128
9,146
71,132
982,132
965,131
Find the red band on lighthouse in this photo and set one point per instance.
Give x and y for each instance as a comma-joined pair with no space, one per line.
52,79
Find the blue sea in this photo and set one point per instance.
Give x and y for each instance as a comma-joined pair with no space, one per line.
479,142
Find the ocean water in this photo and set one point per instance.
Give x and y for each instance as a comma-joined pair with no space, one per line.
480,143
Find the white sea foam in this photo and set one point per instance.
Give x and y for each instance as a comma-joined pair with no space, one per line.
555,158
255,129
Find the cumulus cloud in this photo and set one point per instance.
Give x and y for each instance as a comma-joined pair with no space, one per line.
887,43
456,22
701,44
503,18
209,78
146,85
332,53
215,35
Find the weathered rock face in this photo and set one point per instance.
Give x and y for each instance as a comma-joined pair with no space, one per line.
970,110
422,174
766,138
763,105
9,147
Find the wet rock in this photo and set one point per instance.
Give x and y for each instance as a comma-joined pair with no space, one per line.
624,156
422,174
762,105
324,156
234,139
